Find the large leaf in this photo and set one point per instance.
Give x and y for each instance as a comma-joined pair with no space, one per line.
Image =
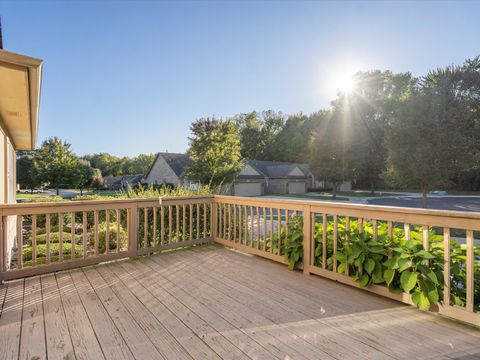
424,254
419,299
369,265
388,275
404,264
392,263
429,290
364,280
408,280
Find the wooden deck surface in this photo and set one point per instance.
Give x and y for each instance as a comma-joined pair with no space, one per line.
212,303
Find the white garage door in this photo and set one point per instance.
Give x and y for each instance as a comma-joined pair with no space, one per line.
248,189
297,188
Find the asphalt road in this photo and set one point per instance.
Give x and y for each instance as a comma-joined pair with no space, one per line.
458,203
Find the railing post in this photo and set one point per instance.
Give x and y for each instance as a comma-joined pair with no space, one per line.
213,220
133,230
307,238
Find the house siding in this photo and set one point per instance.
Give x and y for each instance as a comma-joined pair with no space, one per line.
161,173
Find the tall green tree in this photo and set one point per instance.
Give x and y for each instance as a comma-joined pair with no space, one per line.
257,133
215,151
28,175
56,163
83,175
328,160
428,141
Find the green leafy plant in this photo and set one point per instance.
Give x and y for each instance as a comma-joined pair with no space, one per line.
293,243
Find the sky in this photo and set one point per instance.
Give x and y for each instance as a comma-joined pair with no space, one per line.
129,77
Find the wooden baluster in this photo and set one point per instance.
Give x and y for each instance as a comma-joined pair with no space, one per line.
406,229
360,231
470,272
19,241
347,239
177,224
162,225
287,219
34,240
72,232
446,266
95,230
271,230
107,231
390,236
229,222
234,223
220,220
426,246
313,242
324,240
258,228
335,240
60,237
47,238
154,240
184,222
225,234
264,229
190,225
198,221
118,230
375,229
246,225
205,221
170,223
145,227
279,242
252,228
84,233
240,224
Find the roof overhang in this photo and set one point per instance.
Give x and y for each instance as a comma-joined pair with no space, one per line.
20,79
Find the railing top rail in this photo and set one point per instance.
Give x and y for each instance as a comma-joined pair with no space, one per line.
159,200
347,206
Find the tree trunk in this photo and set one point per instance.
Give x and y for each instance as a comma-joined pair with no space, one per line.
372,189
81,191
424,197
334,191
57,190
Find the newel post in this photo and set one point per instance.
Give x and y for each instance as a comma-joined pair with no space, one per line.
133,230
307,238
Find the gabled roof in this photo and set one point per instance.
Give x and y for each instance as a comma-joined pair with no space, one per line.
278,169
178,162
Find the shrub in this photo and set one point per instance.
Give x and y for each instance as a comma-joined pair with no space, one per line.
112,245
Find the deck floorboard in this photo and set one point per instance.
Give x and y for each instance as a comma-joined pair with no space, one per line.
210,302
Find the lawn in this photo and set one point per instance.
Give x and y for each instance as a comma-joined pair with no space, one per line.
362,193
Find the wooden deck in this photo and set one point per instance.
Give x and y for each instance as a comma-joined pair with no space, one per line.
213,303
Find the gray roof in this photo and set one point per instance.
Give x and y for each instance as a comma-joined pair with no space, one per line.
178,162
277,169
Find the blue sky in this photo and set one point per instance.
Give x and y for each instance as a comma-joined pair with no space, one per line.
130,77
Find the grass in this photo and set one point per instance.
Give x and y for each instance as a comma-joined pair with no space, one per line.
305,196
28,196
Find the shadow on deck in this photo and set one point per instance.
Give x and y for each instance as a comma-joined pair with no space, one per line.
213,303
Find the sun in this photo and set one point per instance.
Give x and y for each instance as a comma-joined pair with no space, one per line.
345,83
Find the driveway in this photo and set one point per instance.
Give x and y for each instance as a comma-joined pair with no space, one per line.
459,203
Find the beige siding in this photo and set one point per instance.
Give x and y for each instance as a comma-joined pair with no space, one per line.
297,187
162,173
248,189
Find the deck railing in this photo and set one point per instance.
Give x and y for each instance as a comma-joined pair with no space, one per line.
43,237
260,227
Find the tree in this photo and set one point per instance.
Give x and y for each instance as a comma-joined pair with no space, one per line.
83,176
429,142
107,163
257,133
215,151
375,95
56,163
28,175
97,179
293,142
328,157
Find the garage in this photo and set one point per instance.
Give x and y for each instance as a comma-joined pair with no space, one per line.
297,187
248,189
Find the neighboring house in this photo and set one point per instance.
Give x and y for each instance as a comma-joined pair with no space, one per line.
122,182
264,177
168,168
325,185
20,78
